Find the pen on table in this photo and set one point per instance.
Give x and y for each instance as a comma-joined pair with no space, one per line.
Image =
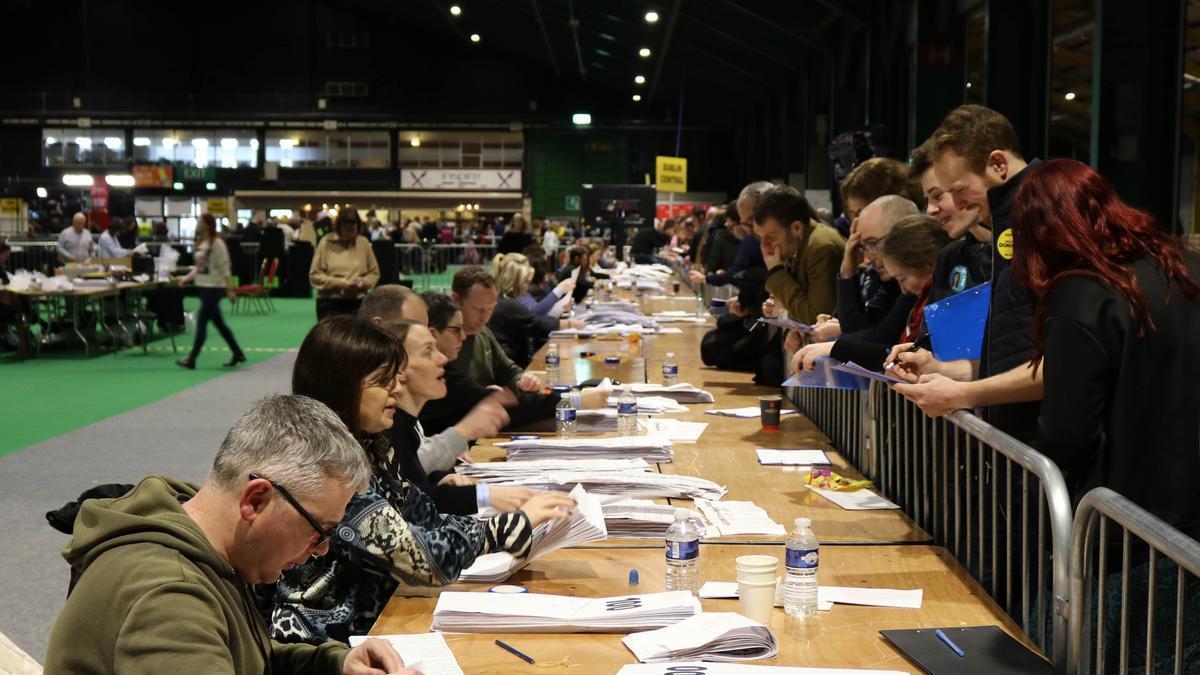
528,659
940,635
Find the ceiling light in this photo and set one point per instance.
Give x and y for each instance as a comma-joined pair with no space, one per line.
968,85
455,10
475,37
639,79
41,193
644,52
210,186
83,142
415,142
637,97
141,141
119,180
113,143
254,143
476,207
199,142
77,179
581,119
287,142
178,186
168,142
229,143
1070,96
50,140
652,17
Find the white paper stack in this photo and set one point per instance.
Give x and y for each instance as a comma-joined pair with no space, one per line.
639,518
517,470
628,477
425,653
586,523
744,669
729,518
750,412
537,613
712,636
676,430
649,448
616,329
652,405
682,392
769,456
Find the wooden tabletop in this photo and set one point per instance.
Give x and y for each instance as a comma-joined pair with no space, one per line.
845,637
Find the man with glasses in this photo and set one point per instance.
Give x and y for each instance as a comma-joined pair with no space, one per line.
167,570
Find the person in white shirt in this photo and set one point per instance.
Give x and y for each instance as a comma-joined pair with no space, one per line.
110,245
550,241
213,276
75,243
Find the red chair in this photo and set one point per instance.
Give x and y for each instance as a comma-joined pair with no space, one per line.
254,291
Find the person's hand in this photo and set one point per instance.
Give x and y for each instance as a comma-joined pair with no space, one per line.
486,419
183,281
502,396
771,308
794,341
822,318
910,365
230,295
696,277
937,395
548,506
826,330
565,287
529,383
852,255
594,398
507,499
806,358
772,256
375,657
456,480
735,307
577,324
359,282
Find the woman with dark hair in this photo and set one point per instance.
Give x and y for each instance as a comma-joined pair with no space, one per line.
213,278
393,534
1115,328
344,267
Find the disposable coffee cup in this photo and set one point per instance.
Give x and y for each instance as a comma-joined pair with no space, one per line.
769,407
756,568
675,286
757,599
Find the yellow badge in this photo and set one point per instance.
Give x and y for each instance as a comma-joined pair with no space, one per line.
1004,244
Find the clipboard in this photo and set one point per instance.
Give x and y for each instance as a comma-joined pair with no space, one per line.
956,324
988,651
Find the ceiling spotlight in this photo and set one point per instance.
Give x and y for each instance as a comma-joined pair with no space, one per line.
113,142
77,179
637,97
42,193
644,52
1070,96
141,141
639,79
229,143
581,119
652,17
83,142
119,180
475,37
210,186
178,186
968,85
287,142
168,142
455,10
199,142
415,142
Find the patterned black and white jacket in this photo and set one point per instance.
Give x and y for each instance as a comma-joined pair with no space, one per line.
392,534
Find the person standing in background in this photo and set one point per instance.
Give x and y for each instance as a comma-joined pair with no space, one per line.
213,278
344,267
75,243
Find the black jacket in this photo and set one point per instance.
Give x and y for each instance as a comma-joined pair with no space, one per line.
520,332
514,242
463,393
864,300
868,348
1120,409
963,264
647,241
1009,337
456,499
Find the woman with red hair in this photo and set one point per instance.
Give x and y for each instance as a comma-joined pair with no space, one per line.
1115,326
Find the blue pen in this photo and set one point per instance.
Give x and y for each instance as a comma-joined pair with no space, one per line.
949,643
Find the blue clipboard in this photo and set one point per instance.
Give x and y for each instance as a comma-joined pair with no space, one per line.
824,375
956,324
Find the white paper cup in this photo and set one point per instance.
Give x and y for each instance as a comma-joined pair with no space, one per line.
757,568
757,599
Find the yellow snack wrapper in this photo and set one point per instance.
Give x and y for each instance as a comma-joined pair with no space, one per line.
827,479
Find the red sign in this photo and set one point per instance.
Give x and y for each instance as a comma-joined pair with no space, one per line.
99,214
153,176
677,210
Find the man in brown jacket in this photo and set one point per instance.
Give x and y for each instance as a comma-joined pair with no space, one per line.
802,255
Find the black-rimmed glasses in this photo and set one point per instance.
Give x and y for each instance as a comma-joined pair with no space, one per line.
323,534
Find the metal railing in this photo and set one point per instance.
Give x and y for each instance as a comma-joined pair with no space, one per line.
1164,549
1000,507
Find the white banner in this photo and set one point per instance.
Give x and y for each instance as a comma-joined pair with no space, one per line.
460,179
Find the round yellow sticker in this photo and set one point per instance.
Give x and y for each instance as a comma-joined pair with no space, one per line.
1004,244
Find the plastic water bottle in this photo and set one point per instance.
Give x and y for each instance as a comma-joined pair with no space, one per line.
803,558
700,306
627,413
670,370
552,362
564,417
683,554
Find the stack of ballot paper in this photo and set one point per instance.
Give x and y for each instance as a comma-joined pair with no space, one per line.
616,329
749,412
770,456
538,613
425,653
586,523
729,518
682,392
676,430
827,596
628,477
649,448
652,405
712,636
517,470
744,669
639,518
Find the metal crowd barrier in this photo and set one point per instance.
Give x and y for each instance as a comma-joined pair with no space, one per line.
1000,507
1147,564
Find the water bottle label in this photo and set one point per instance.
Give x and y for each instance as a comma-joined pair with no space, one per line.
565,415
683,550
803,558
552,360
626,408
670,371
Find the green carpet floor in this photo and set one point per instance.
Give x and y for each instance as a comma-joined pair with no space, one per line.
63,390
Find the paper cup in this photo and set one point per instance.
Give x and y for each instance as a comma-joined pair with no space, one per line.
769,408
757,599
757,568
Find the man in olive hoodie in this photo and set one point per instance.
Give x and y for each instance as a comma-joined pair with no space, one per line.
167,569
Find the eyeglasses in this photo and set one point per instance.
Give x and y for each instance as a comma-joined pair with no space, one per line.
323,535
457,330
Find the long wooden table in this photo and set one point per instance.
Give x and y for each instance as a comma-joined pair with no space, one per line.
845,637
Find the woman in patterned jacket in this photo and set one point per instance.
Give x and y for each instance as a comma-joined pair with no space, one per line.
392,534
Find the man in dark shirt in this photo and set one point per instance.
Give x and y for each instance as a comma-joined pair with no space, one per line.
648,241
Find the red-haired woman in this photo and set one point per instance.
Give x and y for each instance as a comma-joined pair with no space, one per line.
1115,327
213,282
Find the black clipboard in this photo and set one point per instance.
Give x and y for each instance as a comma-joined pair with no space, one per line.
989,651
